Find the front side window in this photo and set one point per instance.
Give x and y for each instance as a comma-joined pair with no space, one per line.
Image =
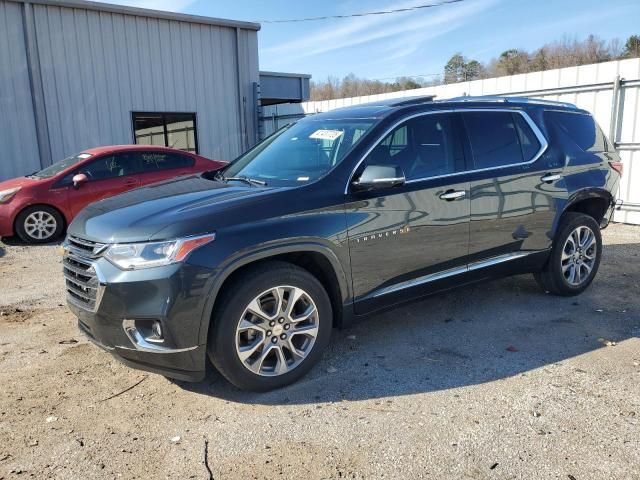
425,146
110,166
177,130
300,153
494,138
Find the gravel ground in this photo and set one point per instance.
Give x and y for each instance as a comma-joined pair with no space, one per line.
495,380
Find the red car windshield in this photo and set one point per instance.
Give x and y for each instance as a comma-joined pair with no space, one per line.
58,167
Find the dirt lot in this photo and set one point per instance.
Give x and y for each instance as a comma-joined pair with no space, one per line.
496,380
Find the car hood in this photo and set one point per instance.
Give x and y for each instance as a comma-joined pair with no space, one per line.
17,182
175,208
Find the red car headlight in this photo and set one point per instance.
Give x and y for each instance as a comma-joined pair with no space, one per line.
6,195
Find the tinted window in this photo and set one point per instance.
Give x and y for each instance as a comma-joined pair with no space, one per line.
425,146
494,139
528,140
580,128
110,166
154,161
177,130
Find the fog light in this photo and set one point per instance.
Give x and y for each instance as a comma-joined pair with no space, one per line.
156,329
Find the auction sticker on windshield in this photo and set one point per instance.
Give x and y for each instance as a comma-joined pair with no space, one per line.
326,134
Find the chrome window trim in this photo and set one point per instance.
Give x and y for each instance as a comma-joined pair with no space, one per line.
544,144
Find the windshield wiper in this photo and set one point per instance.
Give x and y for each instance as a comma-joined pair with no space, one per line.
250,181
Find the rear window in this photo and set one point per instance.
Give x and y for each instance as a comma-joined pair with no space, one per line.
154,161
581,128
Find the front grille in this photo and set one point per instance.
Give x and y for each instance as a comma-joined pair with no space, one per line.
81,279
83,247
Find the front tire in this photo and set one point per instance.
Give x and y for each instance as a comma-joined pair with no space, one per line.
575,256
39,224
270,327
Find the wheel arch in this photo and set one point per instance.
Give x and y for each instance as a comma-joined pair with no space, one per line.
317,259
591,201
65,220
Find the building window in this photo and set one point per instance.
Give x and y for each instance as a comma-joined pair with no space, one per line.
177,130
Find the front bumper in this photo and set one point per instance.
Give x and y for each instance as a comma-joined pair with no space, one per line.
130,301
6,222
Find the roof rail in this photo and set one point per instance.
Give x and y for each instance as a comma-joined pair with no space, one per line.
542,101
402,101
503,99
469,98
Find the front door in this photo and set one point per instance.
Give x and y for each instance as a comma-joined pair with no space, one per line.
407,239
107,175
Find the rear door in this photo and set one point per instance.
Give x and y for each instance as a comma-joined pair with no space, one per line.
156,166
403,239
107,175
515,185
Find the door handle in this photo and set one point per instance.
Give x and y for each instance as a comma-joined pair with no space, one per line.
551,177
450,195
130,182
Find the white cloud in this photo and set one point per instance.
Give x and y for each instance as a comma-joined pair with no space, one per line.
406,31
167,5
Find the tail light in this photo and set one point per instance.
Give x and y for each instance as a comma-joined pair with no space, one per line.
617,166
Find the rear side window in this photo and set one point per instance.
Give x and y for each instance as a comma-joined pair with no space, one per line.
154,161
528,141
494,139
581,128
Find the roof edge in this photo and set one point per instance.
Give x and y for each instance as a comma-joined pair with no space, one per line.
284,74
145,12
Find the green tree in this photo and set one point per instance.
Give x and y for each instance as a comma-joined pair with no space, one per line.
472,70
632,47
454,69
458,69
512,62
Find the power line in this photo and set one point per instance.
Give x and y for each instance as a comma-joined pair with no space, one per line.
365,14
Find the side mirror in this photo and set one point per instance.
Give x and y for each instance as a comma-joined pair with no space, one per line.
79,180
379,176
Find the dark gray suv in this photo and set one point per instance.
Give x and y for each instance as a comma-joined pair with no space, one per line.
334,217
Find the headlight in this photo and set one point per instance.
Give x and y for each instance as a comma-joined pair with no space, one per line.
6,195
132,256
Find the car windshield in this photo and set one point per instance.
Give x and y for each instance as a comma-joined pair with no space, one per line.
300,153
58,167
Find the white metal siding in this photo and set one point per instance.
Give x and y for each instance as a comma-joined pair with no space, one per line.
588,86
18,149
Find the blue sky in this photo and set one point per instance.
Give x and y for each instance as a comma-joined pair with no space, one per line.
411,43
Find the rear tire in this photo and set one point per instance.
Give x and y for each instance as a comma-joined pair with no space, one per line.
259,340
39,224
575,256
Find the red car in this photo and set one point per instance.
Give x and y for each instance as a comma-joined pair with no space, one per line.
39,206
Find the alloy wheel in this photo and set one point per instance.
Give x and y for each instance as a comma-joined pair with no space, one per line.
277,331
40,225
579,256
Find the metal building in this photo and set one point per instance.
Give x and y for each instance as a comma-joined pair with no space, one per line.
77,74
